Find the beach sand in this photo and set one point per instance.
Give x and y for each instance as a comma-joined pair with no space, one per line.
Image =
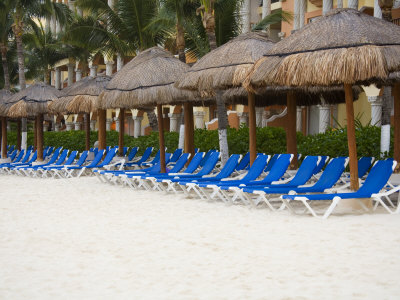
80,239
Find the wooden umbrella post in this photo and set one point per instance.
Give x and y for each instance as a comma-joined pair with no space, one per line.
101,113
39,129
4,137
189,127
161,137
396,96
121,132
291,137
351,138
19,137
252,128
87,131
35,134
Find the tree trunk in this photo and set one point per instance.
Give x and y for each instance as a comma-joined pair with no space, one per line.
18,31
180,42
35,134
209,21
291,138
4,137
222,128
39,128
396,94
152,119
161,138
121,132
351,138
252,128
189,128
385,120
3,49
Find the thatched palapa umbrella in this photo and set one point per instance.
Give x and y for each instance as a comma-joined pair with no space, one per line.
147,80
81,97
344,47
33,102
4,96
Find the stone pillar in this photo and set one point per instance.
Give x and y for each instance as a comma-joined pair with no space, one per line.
52,80
376,110
174,122
259,116
116,124
265,117
108,124
109,67
352,4
78,74
339,4
93,71
93,125
327,5
266,8
296,15
53,25
299,121
377,10
57,84
243,118
137,126
69,126
120,62
45,127
324,117
70,74
302,13
57,127
78,125
199,119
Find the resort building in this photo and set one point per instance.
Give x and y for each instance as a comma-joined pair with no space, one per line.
310,120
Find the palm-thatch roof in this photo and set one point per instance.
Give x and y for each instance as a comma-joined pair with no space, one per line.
146,80
32,101
344,46
4,96
81,97
278,95
226,66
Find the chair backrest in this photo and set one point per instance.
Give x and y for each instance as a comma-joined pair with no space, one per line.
156,168
210,164
54,156
97,158
206,156
377,177
306,170
230,166
62,157
26,157
19,157
132,153
146,155
49,151
71,157
81,159
271,162
125,150
279,168
13,154
364,163
332,173
194,163
29,148
321,164
109,157
180,163
256,168
156,158
33,158
244,162
175,156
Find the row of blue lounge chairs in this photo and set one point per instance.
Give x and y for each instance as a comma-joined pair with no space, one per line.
267,181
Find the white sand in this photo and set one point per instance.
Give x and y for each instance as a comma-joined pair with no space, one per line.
80,239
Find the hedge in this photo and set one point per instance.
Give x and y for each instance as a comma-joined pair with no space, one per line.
270,140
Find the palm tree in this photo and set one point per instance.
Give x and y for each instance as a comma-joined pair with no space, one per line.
5,32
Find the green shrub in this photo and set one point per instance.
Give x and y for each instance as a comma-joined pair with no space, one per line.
270,140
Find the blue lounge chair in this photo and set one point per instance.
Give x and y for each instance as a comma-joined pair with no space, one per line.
142,159
244,162
328,179
376,180
60,171
28,170
87,170
43,171
71,171
23,163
